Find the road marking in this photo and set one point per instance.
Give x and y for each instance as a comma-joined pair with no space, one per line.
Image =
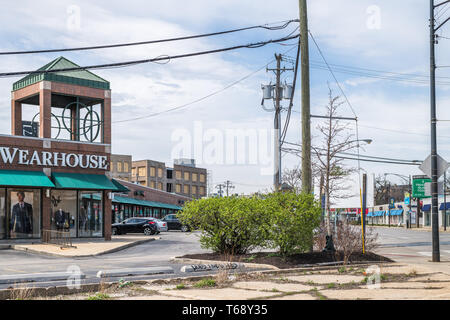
427,254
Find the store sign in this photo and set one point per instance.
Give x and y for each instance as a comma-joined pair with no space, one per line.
16,156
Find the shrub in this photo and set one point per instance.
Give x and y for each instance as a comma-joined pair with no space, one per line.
293,217
347,239
229,225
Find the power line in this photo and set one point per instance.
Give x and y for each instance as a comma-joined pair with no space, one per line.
157,59
202,98
365,156
265,26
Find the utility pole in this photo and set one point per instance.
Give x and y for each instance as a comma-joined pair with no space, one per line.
434,177
220,186
277,126
306,113
445,200
228,186
278,96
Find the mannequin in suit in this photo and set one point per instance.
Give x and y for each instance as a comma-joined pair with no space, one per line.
60,219
21,216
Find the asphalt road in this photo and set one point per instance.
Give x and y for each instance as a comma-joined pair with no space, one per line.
410,245
396,243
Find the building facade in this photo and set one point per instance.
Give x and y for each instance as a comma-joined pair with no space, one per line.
54,169
184,178
120,167
142,201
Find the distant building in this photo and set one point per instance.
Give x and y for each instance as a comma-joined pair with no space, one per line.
184,178
120,167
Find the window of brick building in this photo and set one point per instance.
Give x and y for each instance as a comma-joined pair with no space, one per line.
194,177
119,166
112,166
178,174
152,184
186,176
202,177
202,191
186,189
160,172
194,190
169,187
126,167
142,172
152,172
160,186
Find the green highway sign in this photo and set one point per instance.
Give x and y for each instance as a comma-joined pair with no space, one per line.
418,187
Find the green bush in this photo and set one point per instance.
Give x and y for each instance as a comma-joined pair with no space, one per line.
293,218
229,225
236,225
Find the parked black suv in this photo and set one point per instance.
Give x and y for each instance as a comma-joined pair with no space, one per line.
135,225
174,224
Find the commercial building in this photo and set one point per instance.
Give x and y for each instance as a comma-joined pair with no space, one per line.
141,201
54,167
120,167
184,178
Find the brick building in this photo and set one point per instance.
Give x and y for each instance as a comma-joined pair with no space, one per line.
120,167
142,201
183,179
54,167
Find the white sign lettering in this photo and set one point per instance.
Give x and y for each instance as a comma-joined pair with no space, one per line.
48,159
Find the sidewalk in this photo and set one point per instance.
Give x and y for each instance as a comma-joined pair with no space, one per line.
396,281
84,247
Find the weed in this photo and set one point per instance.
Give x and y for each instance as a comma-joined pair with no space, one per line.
331,285
180,286
205,283
99,296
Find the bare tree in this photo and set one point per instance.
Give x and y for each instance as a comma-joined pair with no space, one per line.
293,178
334,139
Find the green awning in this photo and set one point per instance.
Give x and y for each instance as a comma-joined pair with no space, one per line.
65,180
153,204
119,187
24,179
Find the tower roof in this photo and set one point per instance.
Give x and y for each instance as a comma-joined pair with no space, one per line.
78,77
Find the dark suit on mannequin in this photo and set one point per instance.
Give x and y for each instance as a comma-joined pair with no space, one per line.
22,218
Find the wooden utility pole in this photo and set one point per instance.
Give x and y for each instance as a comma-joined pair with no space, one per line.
277,125
306,113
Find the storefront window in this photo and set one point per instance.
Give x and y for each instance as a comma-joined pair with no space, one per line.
64,211
24,213
2,214
91,214
156,213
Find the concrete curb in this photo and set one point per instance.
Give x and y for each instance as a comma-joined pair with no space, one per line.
208,262
125,246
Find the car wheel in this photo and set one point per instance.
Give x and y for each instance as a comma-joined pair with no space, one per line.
184,229
158,232
148,231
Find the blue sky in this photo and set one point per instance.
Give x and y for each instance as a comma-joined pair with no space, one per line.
394,114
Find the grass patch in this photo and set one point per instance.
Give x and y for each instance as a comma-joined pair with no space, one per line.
342,270
205,283
250,259
99,296
180,286
331,285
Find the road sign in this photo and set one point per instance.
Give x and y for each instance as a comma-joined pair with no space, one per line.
419,189
442,166
407,198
